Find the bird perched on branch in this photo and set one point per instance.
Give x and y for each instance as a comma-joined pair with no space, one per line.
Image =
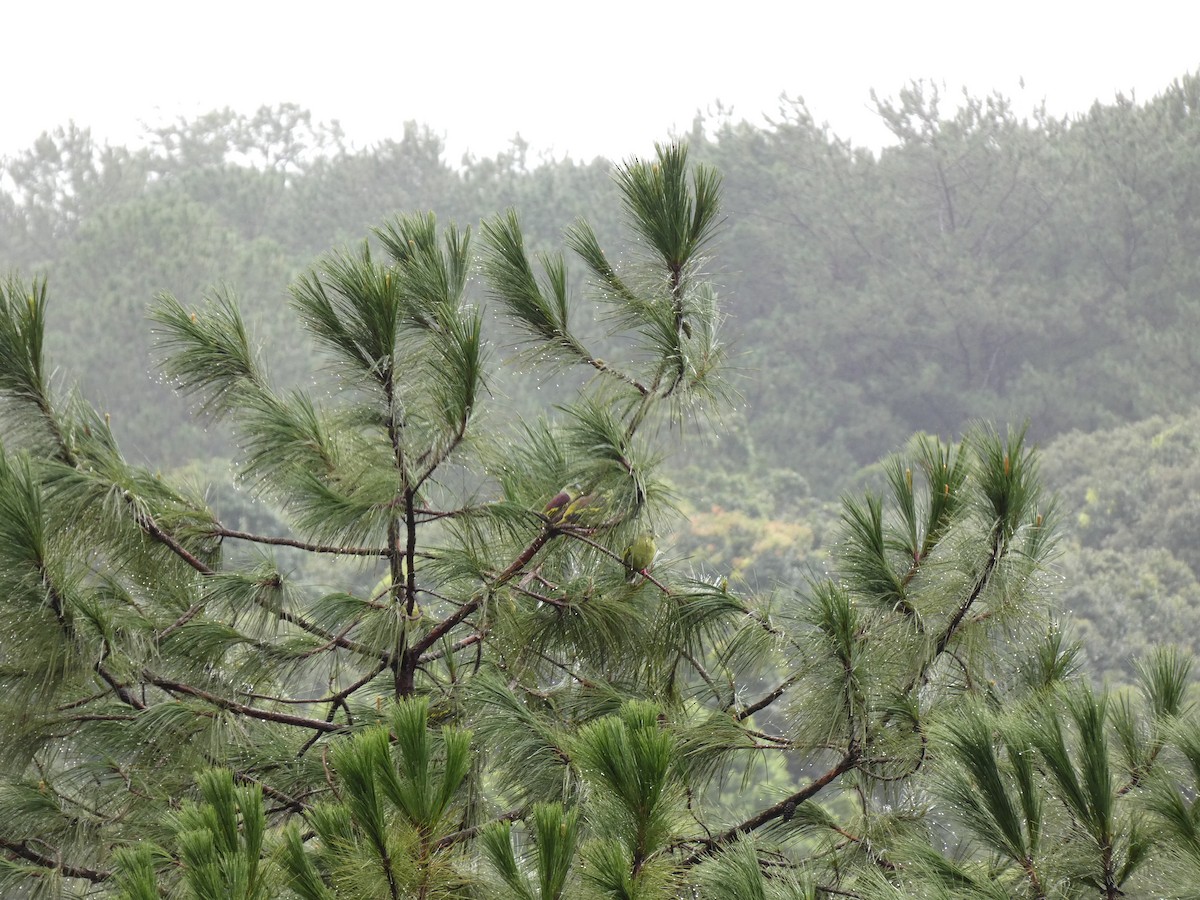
558,504
587,509
639,556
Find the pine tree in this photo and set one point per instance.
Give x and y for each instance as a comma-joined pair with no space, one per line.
190,709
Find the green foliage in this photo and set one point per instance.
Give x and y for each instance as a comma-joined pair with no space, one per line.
384,837
1127,493
1003,808
555,836
631,762
505,713
221,841
737,874
675,218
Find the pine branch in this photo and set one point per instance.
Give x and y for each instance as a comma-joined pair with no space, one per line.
122,691
838,892
698,667
848,761
675,219
407,558
22,362
516,288
146,522
274,793
468,641
24,851
339,699
435,634
951,628
441,455
208,353
292,619
252,712
289,802
466,834
605,369
221,531
767,699
876,859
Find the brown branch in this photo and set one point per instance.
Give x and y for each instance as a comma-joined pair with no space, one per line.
701,671
543,598
68,629
444,454
292,619
331,698
848,761
605,369
435,633
454,648
121,690
577,533
21,849
408,558
952,626
1139,772
764,623
274,793
837,892
766,700
146,522
252,712
468,833
856,839
187,616
965,607
587,683
780,742
654,581
75,704
223,532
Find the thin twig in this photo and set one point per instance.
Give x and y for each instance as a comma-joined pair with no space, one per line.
221,531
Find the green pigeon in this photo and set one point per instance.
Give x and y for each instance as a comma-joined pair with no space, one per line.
558,504
384,585
639,556
586,509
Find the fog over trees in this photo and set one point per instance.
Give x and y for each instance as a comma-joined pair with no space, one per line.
290,608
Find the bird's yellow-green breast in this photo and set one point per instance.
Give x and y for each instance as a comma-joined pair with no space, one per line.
639,556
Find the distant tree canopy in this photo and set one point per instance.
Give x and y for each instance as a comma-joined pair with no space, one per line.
876,295
983,266
460,658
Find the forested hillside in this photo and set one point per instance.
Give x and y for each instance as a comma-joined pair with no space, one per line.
983,267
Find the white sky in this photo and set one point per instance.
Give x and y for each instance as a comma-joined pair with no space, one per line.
571,77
